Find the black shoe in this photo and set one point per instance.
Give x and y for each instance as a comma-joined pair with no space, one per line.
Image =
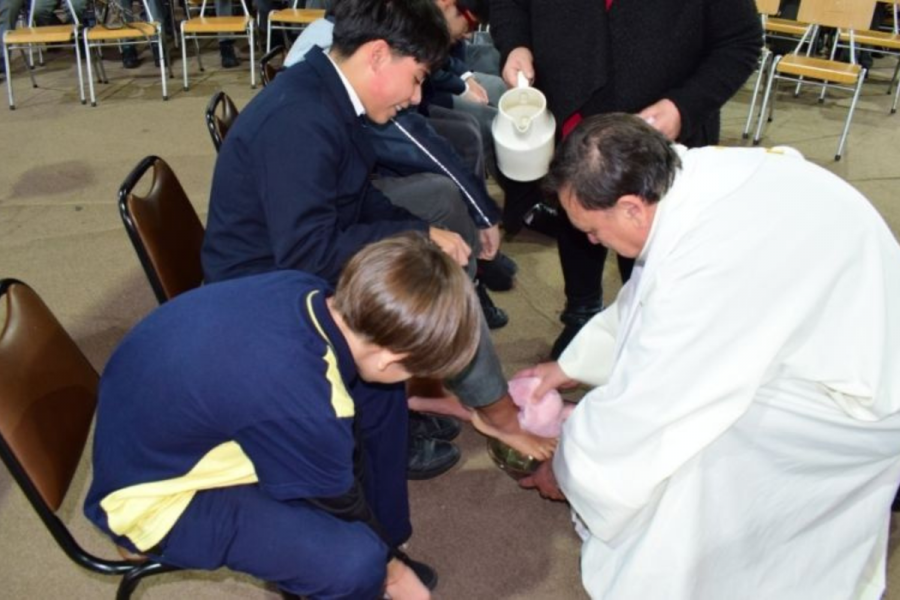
494,316
574,318
499,274
130,58
542,219
426,574
433,426
229,59
429,457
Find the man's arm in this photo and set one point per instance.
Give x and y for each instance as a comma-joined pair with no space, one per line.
510,25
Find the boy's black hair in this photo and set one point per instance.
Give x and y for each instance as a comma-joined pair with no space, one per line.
413,28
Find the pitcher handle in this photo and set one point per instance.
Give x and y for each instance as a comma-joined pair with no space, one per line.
521,80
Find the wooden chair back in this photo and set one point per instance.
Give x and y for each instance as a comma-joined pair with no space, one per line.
843,14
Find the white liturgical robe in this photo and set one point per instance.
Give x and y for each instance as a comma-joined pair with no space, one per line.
744,440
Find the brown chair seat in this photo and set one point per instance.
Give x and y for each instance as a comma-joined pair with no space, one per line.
303,16
51,34
819,68
217,25
133,30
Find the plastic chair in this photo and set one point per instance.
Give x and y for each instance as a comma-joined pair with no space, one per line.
885,42
291,19
48,395
148,32
164,228
203,27
37,37
844,15
271,64
220,116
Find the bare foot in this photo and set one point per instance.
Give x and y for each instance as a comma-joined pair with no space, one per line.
500,420
448,405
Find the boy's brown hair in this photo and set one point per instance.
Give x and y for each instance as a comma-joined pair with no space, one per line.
405,294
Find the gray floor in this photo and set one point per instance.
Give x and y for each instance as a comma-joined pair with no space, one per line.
60,166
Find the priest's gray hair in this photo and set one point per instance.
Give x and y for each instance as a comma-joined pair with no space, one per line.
613,155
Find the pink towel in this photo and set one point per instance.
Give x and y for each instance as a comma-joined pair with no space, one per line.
544,416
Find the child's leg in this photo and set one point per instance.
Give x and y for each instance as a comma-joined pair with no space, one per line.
300,548
382,417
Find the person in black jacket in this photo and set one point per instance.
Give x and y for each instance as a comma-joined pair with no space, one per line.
673,63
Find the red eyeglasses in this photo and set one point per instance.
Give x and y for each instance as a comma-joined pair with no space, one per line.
470,18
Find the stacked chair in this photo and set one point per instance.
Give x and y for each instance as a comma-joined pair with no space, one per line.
148,32
846,16
34,38
202,27
290,19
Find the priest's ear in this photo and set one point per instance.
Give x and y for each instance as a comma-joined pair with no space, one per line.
633,207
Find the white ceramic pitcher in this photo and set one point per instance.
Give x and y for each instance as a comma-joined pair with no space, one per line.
523,133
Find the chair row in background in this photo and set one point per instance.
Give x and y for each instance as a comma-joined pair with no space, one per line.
115,26
850,27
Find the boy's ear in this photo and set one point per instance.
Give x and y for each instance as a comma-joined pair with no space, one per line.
379,54
386,358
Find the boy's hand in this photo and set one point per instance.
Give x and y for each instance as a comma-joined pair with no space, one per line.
490,242
402,583
475,92
452,244
544,481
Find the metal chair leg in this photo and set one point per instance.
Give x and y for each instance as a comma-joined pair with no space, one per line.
859,82
765,103
763,62
6,68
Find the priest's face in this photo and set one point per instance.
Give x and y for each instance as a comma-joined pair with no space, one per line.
623,228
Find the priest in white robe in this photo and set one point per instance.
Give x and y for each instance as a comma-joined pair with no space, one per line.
743,437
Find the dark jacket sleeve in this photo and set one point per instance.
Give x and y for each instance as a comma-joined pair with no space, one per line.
733,42
510,25
320,208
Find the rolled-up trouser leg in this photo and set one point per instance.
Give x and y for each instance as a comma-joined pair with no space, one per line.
483,381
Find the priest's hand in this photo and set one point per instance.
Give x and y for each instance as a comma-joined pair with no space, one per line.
544,481
552,378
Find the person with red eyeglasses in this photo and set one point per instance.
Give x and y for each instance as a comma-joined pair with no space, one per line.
675,64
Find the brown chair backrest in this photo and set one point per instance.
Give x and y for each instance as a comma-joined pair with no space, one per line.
845,14
164,228
272,64
221,114
48,392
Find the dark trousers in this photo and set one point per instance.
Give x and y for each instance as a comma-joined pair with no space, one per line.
301,548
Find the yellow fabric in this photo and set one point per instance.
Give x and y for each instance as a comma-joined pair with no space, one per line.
145,513
340,399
